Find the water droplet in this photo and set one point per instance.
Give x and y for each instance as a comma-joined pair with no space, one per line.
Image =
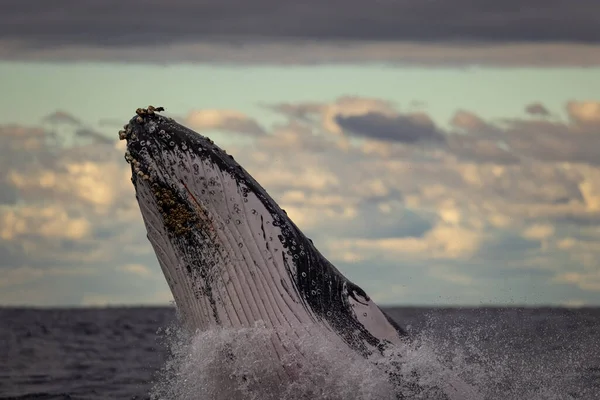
237,221
296,256
304,274
253,211
313,292
227,221
240,245
172,143
364,314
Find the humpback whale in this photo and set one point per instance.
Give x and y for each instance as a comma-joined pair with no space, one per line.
232,257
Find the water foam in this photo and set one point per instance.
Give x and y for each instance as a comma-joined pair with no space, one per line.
224,364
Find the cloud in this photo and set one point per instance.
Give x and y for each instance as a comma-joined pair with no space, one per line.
410,128
283,52
61,117
137,269
585,113
543,140
313,32
586,281
442,241
452,276
18,276
223,120
467,120
71,213
96,137
537,109
184,21
511,203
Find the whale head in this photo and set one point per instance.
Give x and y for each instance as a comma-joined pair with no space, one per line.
229,253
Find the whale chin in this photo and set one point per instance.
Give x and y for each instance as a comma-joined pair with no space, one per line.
231,256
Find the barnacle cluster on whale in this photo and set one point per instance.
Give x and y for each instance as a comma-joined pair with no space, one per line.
178,216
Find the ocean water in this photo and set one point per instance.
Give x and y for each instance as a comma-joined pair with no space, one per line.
138,353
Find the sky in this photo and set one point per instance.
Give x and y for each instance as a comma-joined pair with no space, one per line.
438,152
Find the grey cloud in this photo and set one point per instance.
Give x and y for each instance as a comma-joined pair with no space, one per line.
537,109
480,150
302,111
22,145
61,117
110,122
149,23
373,224
8,193
513,140
279,51
497,247
403,128
243,126
223,120
552,141
96,137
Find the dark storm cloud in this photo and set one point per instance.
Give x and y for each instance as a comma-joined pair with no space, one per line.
152,22
402,128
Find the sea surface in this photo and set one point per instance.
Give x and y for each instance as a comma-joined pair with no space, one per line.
122,353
